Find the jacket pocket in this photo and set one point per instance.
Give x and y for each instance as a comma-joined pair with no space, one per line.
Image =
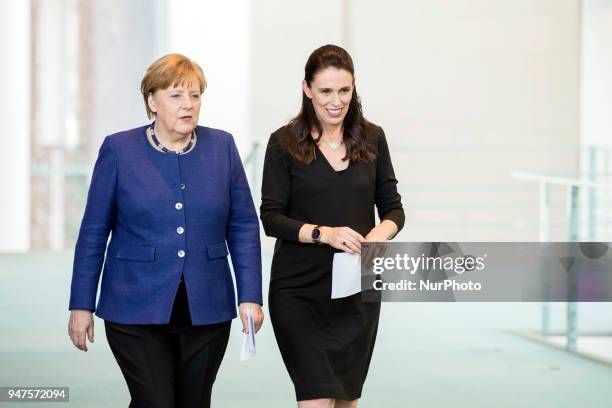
137,253
217,250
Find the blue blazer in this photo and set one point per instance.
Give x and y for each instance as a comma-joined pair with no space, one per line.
169,216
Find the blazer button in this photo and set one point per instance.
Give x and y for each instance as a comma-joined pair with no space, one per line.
182,185
178,206
180,230
181,254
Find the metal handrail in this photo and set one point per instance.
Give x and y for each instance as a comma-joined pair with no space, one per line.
573,186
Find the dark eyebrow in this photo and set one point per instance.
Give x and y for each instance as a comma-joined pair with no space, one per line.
344,88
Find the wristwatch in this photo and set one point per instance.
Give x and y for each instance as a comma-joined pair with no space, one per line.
316,234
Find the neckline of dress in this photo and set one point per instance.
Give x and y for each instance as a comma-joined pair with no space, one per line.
339,172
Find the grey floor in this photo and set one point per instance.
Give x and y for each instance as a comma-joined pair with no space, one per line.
427,355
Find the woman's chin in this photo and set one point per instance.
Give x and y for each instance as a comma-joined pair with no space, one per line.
334,121
184,129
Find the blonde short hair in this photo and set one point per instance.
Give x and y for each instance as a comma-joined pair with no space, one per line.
170,70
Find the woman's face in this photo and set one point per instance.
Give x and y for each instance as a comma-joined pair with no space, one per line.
177,109
331,91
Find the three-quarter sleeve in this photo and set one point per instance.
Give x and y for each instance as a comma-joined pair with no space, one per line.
96,225
242,234
388,200
275,191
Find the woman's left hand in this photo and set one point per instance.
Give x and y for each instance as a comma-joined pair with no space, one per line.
257,312
381,233
376,235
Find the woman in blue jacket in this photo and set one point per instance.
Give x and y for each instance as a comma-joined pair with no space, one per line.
174,197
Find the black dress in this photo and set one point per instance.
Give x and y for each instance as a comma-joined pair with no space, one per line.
326,344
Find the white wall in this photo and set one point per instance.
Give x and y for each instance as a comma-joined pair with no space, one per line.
468,91
596,73
215,34
125,41
15,118
283,34
596,112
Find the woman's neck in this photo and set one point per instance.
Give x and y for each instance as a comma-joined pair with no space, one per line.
171,140
331,133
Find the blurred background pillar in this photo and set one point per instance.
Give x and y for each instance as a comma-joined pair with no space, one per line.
88,58
15,119
53,60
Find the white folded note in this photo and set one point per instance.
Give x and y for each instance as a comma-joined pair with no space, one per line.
248,343
346,275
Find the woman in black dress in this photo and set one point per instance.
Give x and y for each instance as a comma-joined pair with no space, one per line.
323,175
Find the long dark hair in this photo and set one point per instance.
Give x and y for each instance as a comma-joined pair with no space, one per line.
298,140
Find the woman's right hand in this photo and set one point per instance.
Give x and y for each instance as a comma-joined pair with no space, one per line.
343,238
80,326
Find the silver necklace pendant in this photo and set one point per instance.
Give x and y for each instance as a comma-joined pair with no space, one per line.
333,145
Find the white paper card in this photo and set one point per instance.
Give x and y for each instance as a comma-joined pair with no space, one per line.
346,275
248,343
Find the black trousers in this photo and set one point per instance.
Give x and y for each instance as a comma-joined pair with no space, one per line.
169,365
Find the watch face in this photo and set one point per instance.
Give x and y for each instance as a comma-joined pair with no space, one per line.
316,233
